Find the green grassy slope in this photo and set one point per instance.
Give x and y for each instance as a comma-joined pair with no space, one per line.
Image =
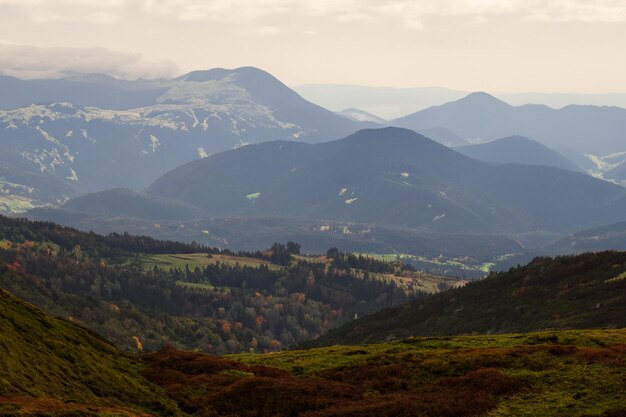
45,357
52,367
575,292
561,373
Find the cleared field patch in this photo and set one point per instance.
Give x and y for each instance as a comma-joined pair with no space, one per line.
420,281
200,260
196,285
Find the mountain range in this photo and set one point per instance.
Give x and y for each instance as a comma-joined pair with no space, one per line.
71,136
390,177
394,102
85,133
482,117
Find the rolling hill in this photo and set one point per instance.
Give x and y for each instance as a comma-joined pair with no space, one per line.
576,292
127,203
517,150
392,177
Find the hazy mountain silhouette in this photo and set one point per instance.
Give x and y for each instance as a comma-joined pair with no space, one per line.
361,116
605,237
517,150
83,147
393,177
585,129
127,203
444,136
397,102
97,90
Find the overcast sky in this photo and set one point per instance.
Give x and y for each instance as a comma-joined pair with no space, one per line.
506,45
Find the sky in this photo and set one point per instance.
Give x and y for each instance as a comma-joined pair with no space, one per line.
508,45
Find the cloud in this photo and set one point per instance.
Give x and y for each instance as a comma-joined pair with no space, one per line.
27,61
411,12
100,12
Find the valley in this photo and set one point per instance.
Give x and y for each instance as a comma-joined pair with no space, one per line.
177,242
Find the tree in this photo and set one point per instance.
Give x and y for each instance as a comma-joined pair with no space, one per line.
293,248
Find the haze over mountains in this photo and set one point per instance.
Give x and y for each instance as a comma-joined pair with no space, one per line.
162,139
482,117
93,136
391,177
392,102
517,150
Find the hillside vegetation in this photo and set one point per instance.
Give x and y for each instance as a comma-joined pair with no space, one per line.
574,373
132,289
48,358
569,292
53,367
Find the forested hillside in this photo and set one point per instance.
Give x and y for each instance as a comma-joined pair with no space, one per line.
53,367
138,291
48,363
570,292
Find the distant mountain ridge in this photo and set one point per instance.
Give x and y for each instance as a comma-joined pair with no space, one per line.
517,150
84,148
605,237
127,203
393,177
485,117
396,102
361,116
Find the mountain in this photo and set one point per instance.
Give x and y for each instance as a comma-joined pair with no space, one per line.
361,116
611,167
392,177
387,102
396,102
444,136
83,90
606,237
127,203
618,173
576,292
483,117
52,151
55,364
517,150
